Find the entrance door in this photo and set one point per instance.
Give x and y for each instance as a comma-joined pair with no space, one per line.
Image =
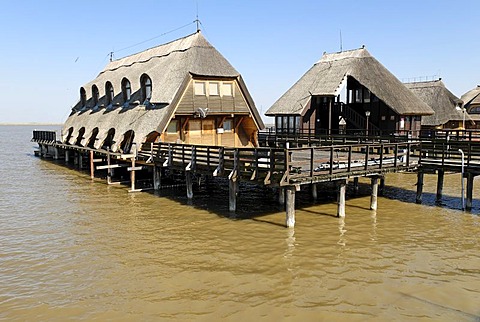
208,132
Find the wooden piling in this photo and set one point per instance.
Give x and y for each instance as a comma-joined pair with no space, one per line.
189,183
374,196
419,187
232,194
281,196
314,188
109,170
381,187
92,167
469,200
440,179
290,206
67,156
355,185
157,178
342,188
132,176
55,153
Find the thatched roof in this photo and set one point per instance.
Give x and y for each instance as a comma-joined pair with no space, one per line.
326,76
440,99
170,66
472,97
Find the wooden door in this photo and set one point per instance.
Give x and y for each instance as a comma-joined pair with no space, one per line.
208,132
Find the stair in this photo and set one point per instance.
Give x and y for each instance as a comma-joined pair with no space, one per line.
358,120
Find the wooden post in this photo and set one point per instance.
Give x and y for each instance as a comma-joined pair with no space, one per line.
419,187
355,185
374,196
189,182
441,175
281,196
157,178
470,178
67,156
290,206
92,166
75,158
232,194
109,170
381,187
314,191
40,146
132,176
342,187
55,153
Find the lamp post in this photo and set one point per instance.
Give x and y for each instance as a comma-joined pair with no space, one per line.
367,114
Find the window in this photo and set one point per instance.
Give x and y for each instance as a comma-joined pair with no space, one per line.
95,95
228,125
366,95
109,92
213,89
227,89
146,85
358,95
172,126
83,96
199,88
126,90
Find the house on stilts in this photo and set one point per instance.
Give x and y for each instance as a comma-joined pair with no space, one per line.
449,113
349,91
184,91
471,103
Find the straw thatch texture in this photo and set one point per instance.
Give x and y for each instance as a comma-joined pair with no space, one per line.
325,77
440,99
472,97
170,67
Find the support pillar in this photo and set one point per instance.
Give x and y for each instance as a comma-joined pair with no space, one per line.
55,153
80,160
381,187
157,178
314,191
441,175
290,206
92,166
232,194
374,196
419,187
132,176
470,178
355,185
342,188
67,156
42,150
75,158
189,183
109,170
281,196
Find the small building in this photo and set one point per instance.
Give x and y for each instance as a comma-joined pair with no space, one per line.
351,87
448,108
184,91
471,102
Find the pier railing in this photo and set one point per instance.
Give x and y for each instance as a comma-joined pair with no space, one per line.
44,136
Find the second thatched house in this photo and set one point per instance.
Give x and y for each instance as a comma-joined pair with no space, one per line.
184,91
449,113
352,88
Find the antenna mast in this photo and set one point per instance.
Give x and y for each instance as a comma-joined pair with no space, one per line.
341,41
111,56
196,20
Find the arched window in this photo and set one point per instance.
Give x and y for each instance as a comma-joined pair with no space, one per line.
109,92
93,138
127,141
95,95
126,90
83,96
108,142
81,132
146,85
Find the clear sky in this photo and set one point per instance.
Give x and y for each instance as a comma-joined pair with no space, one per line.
50,48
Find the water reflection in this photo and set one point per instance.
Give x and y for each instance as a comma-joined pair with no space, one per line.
341,228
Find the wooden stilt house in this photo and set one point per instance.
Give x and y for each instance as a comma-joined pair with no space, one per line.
348,91
184,91
447,107
471,102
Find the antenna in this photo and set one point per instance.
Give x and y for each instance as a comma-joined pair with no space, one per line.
111,56
341,41
196,20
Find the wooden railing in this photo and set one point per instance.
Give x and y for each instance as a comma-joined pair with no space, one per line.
44,136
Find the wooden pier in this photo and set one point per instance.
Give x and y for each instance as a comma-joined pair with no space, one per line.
287,169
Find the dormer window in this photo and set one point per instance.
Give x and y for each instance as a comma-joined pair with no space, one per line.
126,90
83,97
95,95
146,85
109,92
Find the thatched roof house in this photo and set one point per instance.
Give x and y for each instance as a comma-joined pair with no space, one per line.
471,101
357,80
165,93
442,101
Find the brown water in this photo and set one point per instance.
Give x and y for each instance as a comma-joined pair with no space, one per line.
73,248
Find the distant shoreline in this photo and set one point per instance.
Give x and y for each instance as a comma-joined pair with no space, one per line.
31,123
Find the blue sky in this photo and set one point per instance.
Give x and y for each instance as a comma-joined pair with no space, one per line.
51,48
